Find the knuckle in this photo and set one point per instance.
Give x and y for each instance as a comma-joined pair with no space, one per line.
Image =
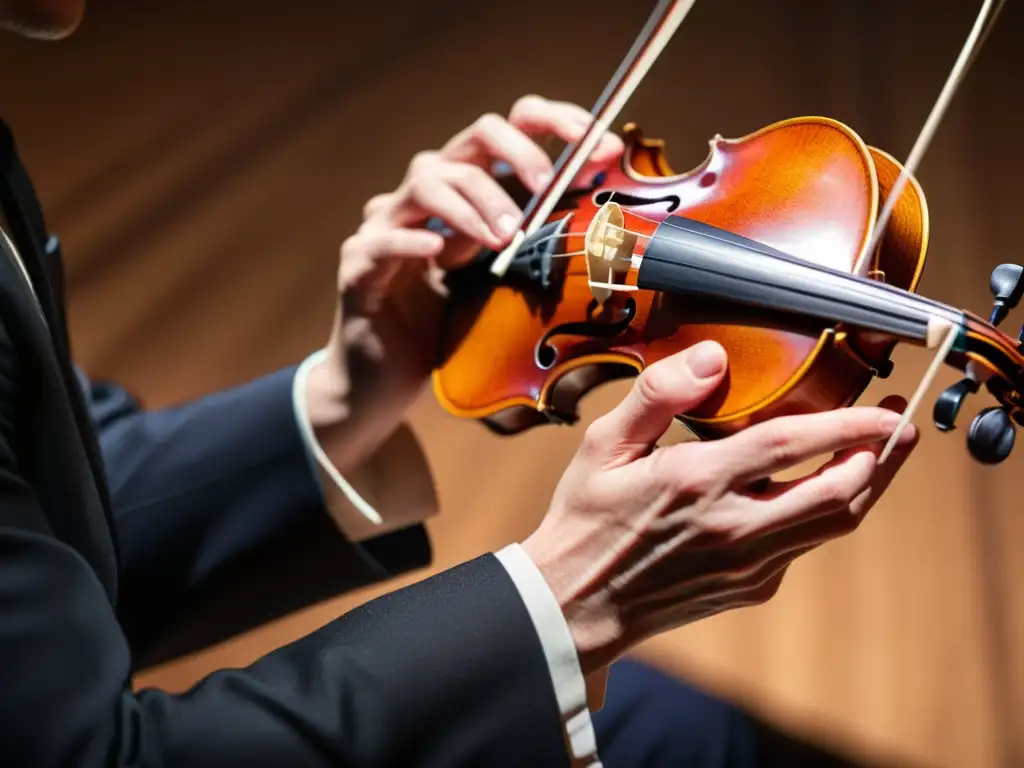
418,187
595,438
421,160
833,492
489,123
663,466
369,224
374,204
650,386
705,471
528,104
699,477
385,242
775,442
351,247
688,472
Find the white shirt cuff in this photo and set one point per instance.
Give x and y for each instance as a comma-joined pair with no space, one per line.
560,652
393,489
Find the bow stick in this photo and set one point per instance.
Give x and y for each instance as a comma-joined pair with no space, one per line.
975,40
659,29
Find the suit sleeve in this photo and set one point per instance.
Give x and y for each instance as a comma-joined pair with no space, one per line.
447,672
220,519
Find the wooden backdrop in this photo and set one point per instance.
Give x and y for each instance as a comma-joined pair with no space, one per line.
202,162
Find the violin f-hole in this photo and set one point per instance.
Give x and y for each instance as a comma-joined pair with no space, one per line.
546,355
624,198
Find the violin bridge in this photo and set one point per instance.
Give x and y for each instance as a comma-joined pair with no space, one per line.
609,251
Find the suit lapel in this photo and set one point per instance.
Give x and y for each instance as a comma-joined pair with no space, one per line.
41,279
41,258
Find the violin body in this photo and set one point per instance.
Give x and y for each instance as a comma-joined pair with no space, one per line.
522,350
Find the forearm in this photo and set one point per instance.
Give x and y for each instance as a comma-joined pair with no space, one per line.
446,672
355,403
209,496
351,400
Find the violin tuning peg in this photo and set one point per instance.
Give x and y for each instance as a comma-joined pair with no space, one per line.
1007,285
947,406
991,436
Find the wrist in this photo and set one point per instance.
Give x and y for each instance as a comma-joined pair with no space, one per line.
357,389
594,622
327,391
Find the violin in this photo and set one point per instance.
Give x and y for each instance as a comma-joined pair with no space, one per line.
798,247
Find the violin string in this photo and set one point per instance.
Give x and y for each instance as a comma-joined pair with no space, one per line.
867,287
549,238
659,29
983,25
629,231
638,216
568,254
908,301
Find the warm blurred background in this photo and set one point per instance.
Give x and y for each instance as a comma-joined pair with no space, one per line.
202,162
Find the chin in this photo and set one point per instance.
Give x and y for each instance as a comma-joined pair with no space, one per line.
42,19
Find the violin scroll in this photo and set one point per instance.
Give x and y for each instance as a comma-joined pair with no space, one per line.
992,434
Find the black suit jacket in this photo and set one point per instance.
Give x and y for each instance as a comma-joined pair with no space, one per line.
128,537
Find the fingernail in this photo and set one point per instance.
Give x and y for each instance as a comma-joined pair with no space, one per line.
706,360
889,422
507,224
541,180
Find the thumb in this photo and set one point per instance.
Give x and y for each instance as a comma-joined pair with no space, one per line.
669,387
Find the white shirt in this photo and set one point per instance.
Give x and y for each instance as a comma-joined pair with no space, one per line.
394,489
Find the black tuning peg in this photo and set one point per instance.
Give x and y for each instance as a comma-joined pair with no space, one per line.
991,436
947,406
1007,285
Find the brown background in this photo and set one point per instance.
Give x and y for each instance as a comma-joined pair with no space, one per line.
202,162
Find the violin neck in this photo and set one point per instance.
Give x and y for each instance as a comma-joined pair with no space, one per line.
687,257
